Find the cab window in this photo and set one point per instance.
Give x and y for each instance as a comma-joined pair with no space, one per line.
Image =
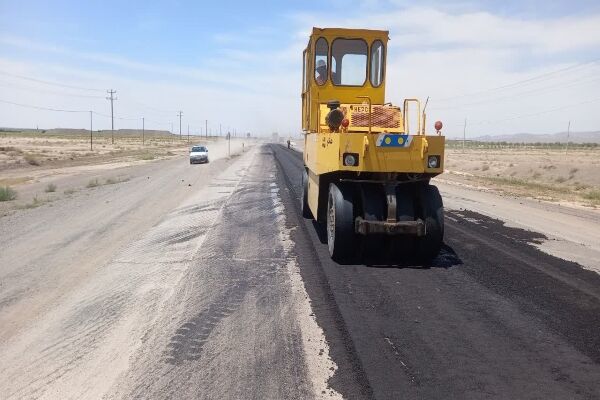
349,62
321,67
304,71
377,63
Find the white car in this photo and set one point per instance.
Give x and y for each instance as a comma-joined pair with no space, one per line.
198,154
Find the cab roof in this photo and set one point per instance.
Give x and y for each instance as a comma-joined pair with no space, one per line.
345,32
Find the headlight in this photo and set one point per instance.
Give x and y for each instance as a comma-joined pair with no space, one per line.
351,159
433,162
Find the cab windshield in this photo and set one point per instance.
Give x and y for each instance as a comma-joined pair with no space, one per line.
349,62
198,149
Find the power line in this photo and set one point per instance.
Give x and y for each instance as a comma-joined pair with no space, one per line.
119,118
158,122
48,82
43,108
35,107
524,81
150,107
526,93
536,113
10,85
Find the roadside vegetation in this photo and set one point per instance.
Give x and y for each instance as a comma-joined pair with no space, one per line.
146,156
56,148
472,144
93,183
112,181
108,181
593,196
32,160
7,193
538,170
35,202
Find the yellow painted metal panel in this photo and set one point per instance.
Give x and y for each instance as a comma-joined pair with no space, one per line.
324,149
313,193
324,153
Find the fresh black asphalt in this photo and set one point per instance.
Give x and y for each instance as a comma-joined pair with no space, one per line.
493,317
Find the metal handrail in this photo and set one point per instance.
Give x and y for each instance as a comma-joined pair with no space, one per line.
405,109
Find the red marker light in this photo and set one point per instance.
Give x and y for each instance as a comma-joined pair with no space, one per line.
345,122
438,126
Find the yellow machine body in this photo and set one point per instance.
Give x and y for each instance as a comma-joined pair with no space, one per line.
375,132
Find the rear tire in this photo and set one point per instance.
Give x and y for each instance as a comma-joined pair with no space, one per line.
432,212
341,239
306,213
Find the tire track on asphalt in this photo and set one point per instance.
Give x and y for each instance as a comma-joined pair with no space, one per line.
350,379
236,330
478,323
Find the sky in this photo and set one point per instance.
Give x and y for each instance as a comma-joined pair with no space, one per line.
503,66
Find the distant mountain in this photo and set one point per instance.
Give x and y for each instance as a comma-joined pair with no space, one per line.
559,137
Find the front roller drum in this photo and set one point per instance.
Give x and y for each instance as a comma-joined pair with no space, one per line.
341,239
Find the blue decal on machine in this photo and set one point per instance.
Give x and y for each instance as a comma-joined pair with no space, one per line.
393,140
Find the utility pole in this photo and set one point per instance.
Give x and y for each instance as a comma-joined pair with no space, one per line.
464,134
206,130
228,144
180,114
188,133
220,133
112,116
568,134
91,130
143,130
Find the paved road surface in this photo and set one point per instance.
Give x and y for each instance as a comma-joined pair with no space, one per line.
493,317
205,282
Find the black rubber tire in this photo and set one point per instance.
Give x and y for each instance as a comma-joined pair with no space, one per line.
306,213
432,212
402,247
341,239
373,208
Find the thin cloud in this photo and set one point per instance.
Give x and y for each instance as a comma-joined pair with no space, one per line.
435,50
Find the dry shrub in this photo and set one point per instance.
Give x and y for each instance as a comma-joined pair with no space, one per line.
7,193
31,160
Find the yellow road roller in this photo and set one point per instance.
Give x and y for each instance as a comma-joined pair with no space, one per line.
367,172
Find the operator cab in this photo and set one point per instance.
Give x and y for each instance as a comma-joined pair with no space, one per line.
341,64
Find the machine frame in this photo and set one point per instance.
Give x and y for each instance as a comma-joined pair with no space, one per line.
392,164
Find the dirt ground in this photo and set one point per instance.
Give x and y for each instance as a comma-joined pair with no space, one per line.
544,174
28,149
41,168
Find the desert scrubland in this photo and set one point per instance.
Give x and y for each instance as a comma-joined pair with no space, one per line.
544,172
